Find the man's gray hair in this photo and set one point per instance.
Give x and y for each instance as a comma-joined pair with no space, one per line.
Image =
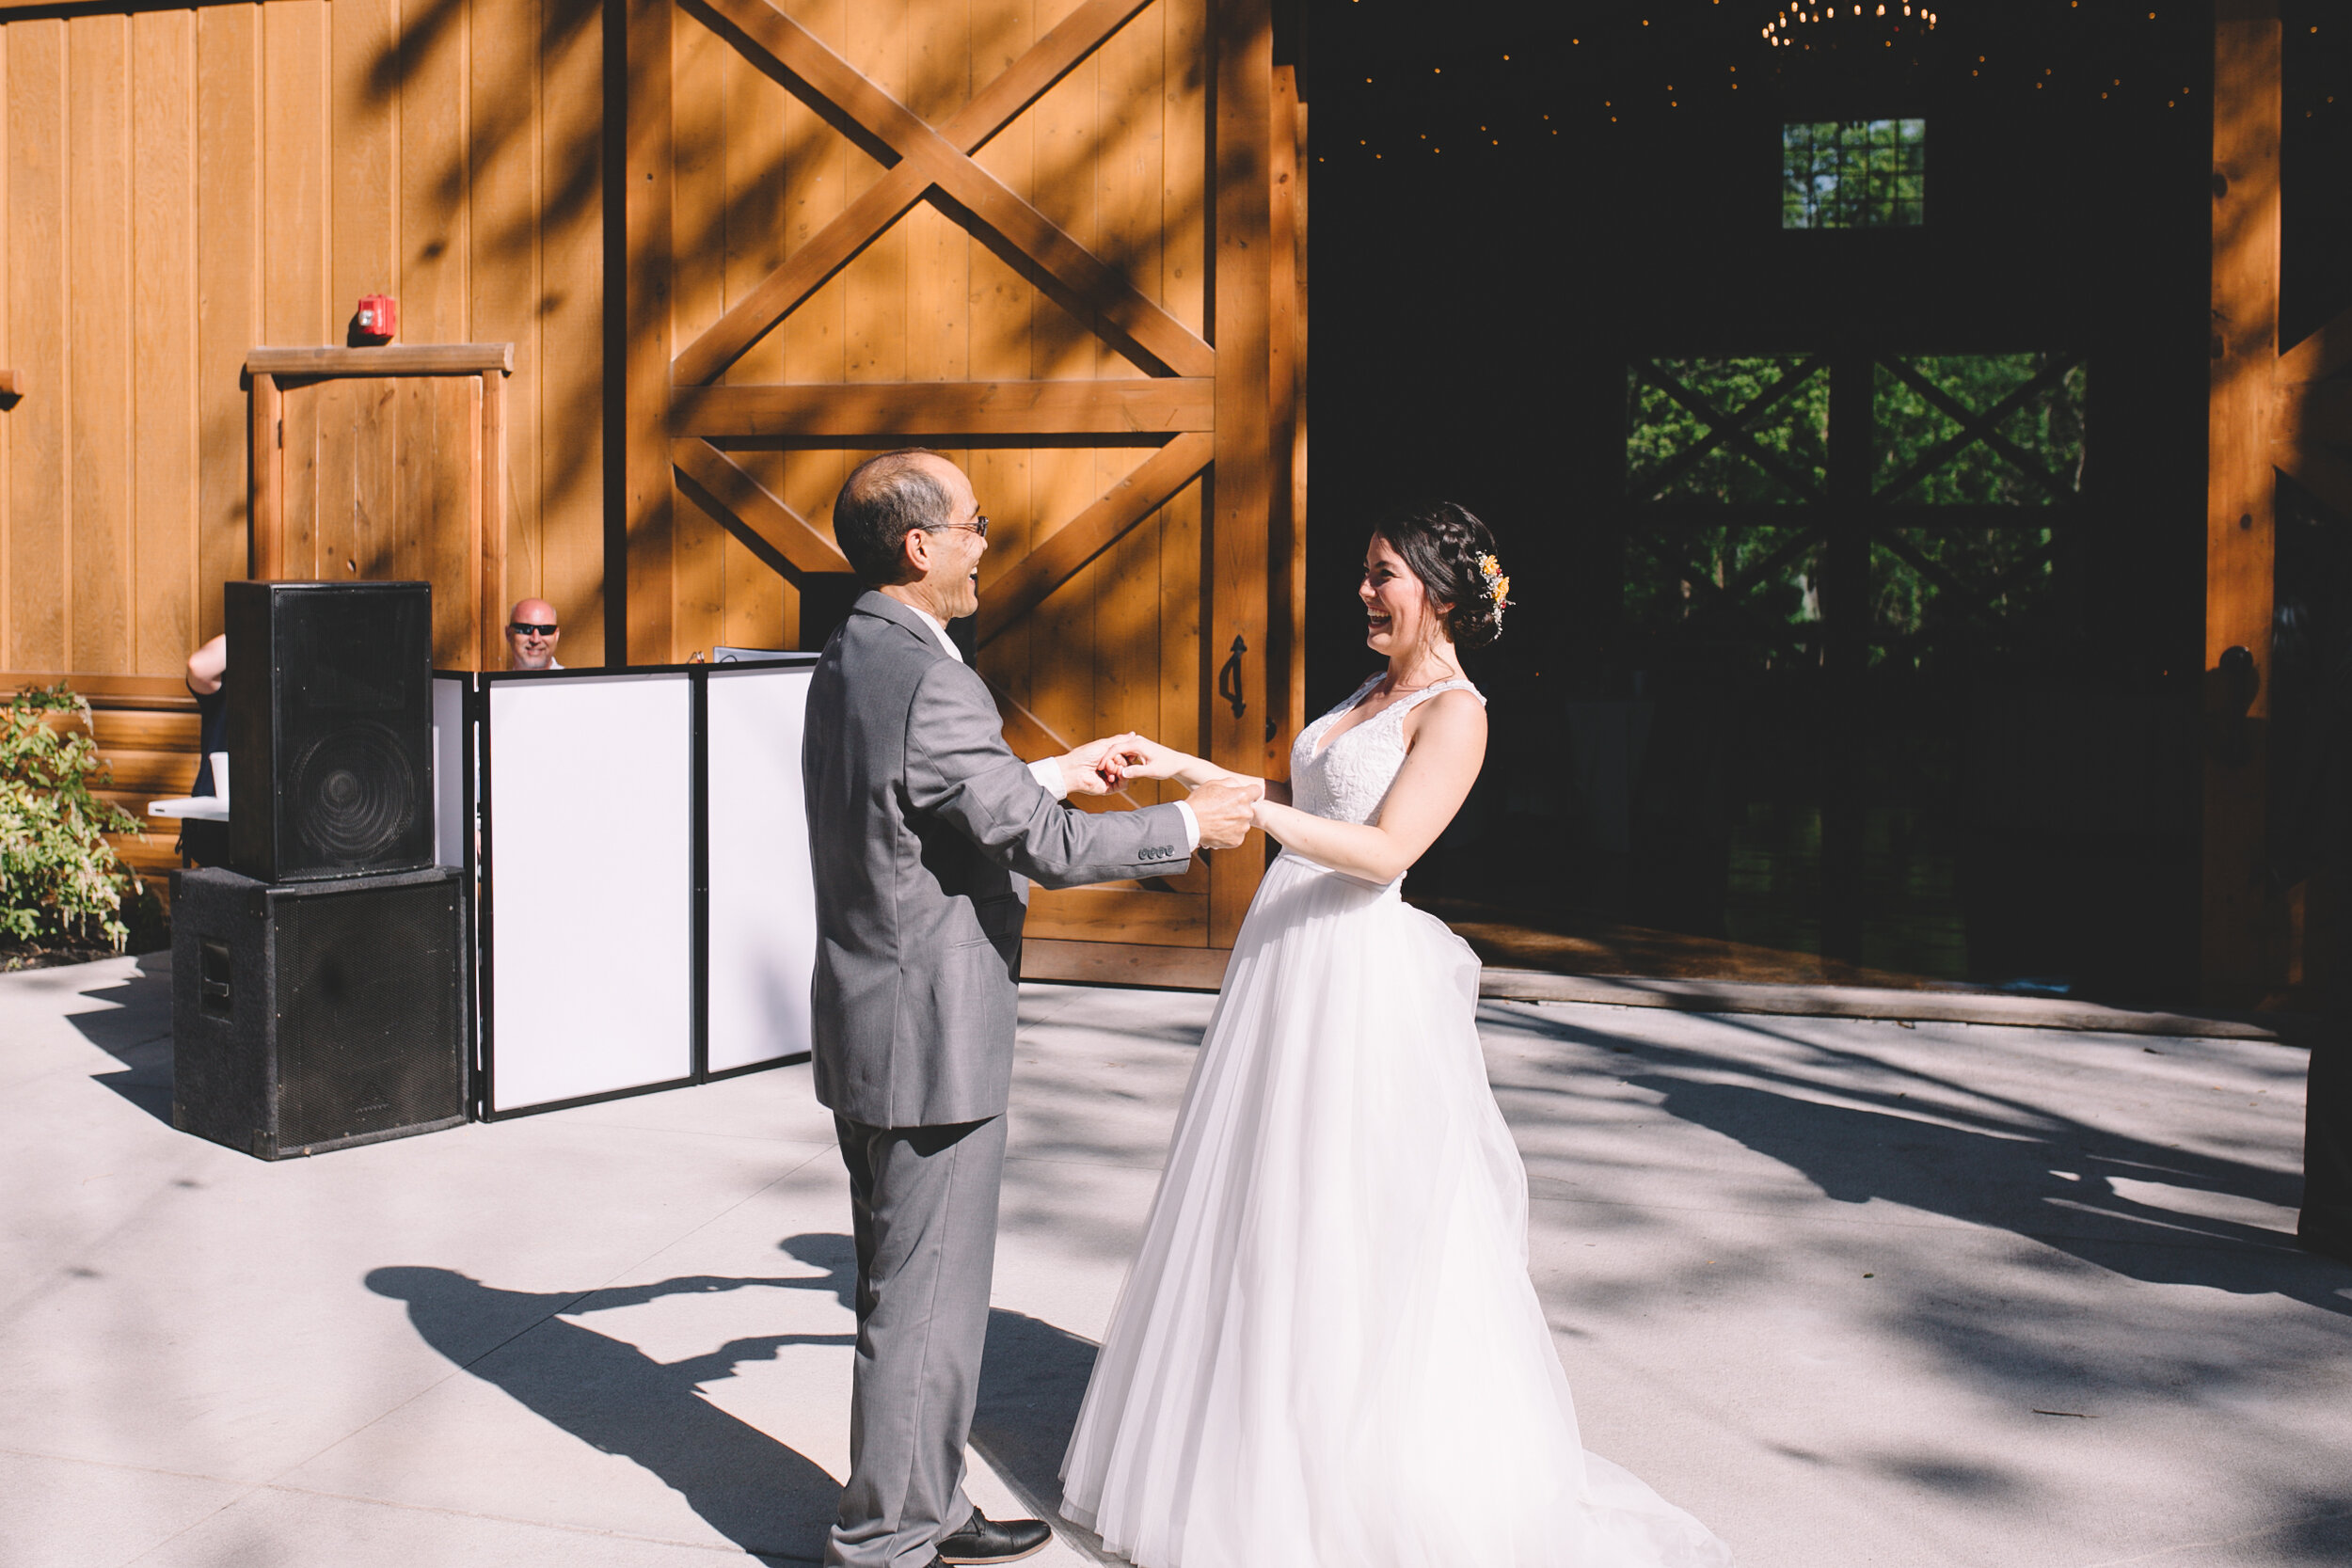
883,497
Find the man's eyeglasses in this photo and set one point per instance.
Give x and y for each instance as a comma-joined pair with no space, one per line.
526,628
977,524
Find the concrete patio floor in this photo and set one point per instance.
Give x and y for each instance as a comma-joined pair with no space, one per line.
1853,1291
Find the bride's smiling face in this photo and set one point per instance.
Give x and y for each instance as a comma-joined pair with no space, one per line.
1398,616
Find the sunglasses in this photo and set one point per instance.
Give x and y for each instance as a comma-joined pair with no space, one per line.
525,628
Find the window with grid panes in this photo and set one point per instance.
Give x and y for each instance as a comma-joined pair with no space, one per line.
1854,174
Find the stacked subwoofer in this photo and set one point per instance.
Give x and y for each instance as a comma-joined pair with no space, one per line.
319,980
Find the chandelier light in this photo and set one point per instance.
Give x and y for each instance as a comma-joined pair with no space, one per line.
1800,25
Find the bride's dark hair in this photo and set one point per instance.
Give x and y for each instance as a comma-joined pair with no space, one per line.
1445,544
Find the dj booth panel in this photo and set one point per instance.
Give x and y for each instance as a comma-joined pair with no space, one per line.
451,765
762,915
588,976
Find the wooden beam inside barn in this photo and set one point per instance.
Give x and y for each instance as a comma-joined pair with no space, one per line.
2242,932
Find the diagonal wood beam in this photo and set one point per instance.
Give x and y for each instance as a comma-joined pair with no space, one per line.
778,294
2326,473
891,131
1929,568
1734,437
1975,427
1744,583
1977,602
888,199
2307,413
1722,430
1980,426
1733,597
2319,356
1024,584
1031,738
1149,405
744,507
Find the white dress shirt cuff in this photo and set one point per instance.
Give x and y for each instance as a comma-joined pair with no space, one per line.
1192,825
1047,772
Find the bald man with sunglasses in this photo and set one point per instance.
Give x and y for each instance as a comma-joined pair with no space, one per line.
531,632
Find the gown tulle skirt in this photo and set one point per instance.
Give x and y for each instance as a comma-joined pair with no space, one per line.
1329,1352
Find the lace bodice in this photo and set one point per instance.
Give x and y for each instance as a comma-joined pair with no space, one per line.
1349,779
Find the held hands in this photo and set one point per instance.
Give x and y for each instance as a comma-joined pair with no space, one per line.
1224,804
1098,766
1226,809
1138,756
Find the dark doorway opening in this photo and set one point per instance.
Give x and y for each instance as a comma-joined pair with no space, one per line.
1859,553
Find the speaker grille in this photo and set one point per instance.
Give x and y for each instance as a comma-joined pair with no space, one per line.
354,792
329,720
368,1012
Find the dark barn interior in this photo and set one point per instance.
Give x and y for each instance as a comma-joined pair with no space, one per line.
1841,404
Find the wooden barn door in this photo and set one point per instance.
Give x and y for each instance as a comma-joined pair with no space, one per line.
1041,236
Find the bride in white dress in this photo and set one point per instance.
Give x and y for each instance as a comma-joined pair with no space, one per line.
1329,1352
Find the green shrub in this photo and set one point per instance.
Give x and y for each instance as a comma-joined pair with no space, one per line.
58,876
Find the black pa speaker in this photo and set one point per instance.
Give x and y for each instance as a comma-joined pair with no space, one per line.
329,726
311,1015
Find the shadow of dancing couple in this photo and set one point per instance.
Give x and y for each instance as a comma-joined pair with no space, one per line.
1328,1339
754,1490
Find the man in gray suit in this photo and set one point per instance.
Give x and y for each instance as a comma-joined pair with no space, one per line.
919,817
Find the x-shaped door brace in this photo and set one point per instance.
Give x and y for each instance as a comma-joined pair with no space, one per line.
1967,598
922,158
1732,597
1978,427
936,161
1730,432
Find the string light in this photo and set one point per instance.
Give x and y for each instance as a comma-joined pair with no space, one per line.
1781,31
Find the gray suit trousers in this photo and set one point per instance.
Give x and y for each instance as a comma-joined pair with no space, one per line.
923,1202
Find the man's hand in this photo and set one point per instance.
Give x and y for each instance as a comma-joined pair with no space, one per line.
1221,807
1135,756
1094,769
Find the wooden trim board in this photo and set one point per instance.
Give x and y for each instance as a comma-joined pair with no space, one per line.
1144,405
391,359
156,691
1123,963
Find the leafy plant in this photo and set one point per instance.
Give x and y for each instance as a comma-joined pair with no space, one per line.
58,876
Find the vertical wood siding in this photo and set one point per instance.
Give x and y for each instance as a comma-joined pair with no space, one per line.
183,185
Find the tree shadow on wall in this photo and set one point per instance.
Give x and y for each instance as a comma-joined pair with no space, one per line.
759,1493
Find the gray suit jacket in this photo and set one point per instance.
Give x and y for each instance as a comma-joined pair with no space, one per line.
917,815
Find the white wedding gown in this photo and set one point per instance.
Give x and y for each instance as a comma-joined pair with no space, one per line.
1329,1353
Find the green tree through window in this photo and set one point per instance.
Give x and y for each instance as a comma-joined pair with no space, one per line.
1973,466
1854,174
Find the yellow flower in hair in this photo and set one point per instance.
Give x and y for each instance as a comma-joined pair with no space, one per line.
1498,586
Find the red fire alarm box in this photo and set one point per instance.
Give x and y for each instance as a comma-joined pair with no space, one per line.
378,318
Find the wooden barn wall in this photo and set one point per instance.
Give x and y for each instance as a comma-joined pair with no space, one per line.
183,185
1115,155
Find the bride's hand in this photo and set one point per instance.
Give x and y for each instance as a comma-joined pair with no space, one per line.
1135,756
1094,769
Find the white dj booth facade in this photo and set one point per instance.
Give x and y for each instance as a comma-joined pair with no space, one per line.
644,913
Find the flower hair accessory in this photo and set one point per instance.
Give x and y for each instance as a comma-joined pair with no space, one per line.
1498,586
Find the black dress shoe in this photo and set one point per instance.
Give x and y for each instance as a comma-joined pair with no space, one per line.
985,1540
